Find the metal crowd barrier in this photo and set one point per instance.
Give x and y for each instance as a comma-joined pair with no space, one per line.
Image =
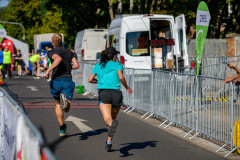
19,138
216,66
204,105
87,70
77,75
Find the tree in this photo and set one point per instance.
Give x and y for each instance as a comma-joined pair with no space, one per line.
111,9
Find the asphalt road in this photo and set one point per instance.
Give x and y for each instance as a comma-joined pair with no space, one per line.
134,140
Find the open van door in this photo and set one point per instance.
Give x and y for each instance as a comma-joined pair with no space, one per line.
161,42
181,42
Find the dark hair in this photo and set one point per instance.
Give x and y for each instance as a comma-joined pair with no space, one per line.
104,56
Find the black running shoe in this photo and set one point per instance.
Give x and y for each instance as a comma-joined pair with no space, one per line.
63,101
112,128
63,130
108,147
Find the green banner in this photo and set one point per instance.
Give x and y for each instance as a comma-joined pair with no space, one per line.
202,23
2,33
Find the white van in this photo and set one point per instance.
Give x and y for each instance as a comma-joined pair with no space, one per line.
89,42
149,41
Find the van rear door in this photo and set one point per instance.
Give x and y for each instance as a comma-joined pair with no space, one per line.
181,41
90,45
161,42
135,36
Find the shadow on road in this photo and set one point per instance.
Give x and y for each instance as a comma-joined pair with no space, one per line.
53,144
84,136
136,145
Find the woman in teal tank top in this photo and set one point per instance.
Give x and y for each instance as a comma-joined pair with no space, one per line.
110,75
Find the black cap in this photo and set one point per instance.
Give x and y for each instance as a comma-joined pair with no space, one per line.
112,50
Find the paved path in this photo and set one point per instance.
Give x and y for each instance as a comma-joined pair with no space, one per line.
134,140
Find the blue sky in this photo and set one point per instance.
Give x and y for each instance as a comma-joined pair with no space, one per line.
3,3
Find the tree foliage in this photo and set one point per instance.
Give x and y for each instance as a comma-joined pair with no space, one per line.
69,17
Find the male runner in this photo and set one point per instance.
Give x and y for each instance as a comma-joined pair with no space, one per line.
61,85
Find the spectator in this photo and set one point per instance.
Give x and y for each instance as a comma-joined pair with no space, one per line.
7,59
19,60
42,66
34,61
1,61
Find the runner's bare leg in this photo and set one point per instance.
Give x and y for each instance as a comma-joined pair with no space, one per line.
59,113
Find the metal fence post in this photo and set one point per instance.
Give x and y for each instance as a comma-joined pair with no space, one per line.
152,86
232,90
133,96
196,103
171,93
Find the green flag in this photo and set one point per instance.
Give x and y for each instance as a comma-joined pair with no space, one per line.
2,33
202,23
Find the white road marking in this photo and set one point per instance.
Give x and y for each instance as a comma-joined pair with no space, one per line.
33,88
78,122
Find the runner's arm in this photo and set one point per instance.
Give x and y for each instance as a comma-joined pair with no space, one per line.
232,65
229,79
75,64
123,81
57,59
91,78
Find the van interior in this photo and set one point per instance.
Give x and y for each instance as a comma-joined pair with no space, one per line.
161,43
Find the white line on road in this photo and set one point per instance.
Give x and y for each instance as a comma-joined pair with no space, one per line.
79,124
33,88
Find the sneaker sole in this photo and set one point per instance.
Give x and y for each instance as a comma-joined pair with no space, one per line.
62,134
112,128
63,101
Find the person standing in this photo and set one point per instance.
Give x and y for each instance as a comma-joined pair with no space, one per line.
19,60
7,59
61,84
110,74
1,61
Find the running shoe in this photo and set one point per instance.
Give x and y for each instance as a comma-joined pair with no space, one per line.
63,101
62,131
108,147
112,128
36,77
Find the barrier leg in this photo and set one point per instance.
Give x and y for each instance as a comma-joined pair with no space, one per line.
144,114
194,135
149,116
168,125
230,152
221,147
85,93
127,109
131,110
187,134
163,123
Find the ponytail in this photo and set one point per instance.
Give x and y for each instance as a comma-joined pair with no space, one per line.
104,56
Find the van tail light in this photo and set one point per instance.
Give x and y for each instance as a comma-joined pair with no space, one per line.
122,60
83,54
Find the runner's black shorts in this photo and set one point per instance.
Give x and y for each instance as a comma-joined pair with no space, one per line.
111,96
